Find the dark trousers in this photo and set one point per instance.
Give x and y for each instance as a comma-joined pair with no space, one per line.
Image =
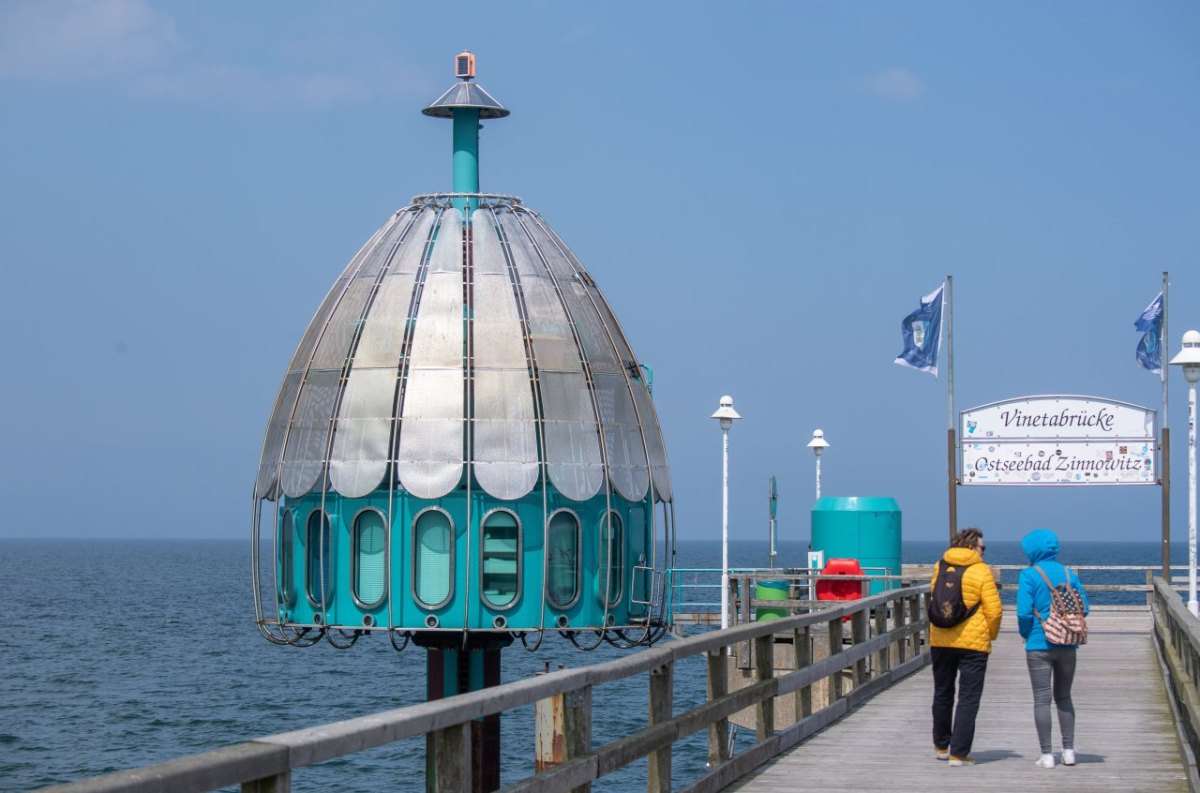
964,670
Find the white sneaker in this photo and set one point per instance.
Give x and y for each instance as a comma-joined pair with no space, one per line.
1045,761
1068,757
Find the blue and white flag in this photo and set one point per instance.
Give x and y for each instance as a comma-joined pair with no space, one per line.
1149,351
922,331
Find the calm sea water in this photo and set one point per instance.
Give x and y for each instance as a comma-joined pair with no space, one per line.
121,653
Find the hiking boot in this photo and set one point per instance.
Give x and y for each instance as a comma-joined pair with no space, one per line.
1068,757
958,761
1045,761
941,754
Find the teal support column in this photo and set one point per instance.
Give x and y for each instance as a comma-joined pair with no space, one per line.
466,156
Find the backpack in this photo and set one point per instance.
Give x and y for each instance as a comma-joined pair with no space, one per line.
1066,623
946,606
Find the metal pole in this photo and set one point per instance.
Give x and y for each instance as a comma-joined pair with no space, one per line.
1164,463
771,498
818,478
725,529
1192,605
951,457
1165,471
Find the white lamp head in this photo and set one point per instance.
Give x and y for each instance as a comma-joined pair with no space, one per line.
1188,358
818,443
725,413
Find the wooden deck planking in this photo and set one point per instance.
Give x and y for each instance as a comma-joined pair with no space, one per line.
1125,735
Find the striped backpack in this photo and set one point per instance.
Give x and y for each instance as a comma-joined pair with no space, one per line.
1066,623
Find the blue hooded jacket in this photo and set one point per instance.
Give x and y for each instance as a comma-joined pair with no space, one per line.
1041,546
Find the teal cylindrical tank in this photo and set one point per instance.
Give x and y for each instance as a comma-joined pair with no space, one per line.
866,529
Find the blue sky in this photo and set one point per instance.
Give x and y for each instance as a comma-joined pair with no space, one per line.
761,190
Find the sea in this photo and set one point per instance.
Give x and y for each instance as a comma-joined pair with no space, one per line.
122,653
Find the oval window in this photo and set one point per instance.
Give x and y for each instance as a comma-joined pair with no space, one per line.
370,558
433,557
286,575
611,561
317,549
501,551
563,562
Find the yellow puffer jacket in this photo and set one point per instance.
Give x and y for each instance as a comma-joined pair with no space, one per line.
978,586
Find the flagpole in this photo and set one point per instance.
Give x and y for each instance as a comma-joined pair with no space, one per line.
951,461
1164,463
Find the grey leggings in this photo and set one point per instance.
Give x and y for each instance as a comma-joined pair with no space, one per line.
1057,665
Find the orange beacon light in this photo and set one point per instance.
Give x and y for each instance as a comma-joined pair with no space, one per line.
464,65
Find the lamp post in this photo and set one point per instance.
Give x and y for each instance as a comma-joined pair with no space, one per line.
818,444
1189,360
726,415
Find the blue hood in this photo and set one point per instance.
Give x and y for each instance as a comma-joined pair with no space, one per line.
1040,545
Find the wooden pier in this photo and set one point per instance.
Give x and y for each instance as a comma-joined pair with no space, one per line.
861,710
1125,734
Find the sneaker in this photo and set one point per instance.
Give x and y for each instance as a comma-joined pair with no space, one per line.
1045,761
1068,757
958,761
941,754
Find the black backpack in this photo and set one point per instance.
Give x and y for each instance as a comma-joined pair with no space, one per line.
946,606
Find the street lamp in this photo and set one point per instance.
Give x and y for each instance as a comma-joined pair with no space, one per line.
818,444
1189,360
726,415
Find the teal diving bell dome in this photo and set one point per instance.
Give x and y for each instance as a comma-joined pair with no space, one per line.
464,440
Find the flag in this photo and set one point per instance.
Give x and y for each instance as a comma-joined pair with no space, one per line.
922,332
1149,351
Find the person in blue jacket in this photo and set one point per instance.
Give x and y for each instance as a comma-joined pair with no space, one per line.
1051,666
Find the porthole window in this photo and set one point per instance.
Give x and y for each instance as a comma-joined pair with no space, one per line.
611,560
501,551
370,558
286,576
563,562
433,557
318,551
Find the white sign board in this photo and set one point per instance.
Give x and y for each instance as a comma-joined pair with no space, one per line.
1058,440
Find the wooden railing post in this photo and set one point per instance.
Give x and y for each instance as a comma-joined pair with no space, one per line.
563,730
881,629
578,726
745,586
448,766
280,783
802,648
718,686
915,606
764,667
835,647
900,610
858,635
658,776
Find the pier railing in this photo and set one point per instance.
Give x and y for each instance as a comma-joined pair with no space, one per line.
1177,634
872,643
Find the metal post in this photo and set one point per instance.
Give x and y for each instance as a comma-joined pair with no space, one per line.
724,528
1165,479
952,469
818,478
952,485
1164,462
1192,604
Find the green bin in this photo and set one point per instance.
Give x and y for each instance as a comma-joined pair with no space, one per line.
770,590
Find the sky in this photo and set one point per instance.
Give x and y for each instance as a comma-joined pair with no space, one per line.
762,192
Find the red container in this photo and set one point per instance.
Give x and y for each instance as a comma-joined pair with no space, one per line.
832,589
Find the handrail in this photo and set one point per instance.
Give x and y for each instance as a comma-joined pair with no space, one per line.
1177,635
266,763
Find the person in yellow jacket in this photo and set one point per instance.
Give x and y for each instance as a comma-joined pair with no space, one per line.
960,653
